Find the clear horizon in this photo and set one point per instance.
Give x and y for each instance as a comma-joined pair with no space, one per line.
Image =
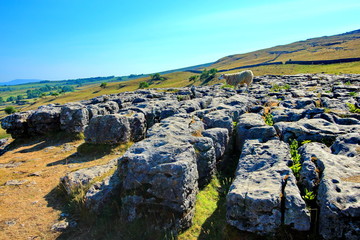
57,40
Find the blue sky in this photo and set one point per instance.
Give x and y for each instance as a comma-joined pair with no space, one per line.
65,39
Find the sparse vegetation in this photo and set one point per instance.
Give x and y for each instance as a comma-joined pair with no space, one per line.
193,78
103,85
295,156
353,94
309,195
227,86
269,119
208,75
277,87
143,85
353,108
10,110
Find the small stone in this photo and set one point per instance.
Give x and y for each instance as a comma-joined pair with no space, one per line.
15,182
60,226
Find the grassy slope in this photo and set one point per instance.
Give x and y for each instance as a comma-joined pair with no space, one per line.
323,48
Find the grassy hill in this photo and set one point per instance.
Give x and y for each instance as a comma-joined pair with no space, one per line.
345,45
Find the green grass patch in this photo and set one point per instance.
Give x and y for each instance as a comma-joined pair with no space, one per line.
295,156
210,211
3,134
353,108
269,119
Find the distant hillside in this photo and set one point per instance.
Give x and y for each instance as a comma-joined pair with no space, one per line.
19,81
346,45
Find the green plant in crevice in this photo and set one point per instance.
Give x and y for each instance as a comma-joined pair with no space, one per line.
353,94
269,119
295,156
353,108
309,195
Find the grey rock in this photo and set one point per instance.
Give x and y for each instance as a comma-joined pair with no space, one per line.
44,120
109,129
254,198
101,193
162,177
82,177
219,119
318,130
74,118
347,144
338,192
252,126
63,225
138,124
16,124
15,182
220,137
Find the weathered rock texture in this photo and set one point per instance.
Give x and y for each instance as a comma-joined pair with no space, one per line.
182,135
338,184
264,194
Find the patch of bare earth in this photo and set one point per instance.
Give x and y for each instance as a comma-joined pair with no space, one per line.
29,180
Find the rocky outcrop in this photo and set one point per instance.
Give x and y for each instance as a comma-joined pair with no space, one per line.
337,179
264,194
183,135
108,129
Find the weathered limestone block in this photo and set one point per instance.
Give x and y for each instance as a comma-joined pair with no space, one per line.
138,124
160,179
44,120
74,118
108,129
338,192
16,124
255,197
82,177
348,145
220,137
313,129
252,126
102,193
186,128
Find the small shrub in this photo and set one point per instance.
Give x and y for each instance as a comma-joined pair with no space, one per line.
309,195
327,91
353,108
348,83
295,156
269,119
103,85
193,78
353,94
143,85
10,110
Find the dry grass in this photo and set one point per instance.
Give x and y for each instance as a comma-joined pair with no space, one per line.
35,205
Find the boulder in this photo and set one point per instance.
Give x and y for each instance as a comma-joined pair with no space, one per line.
252,126
220,137
16,124
74,118
109,129
254,201
83,177
338,192
101,193
44,120
159,179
